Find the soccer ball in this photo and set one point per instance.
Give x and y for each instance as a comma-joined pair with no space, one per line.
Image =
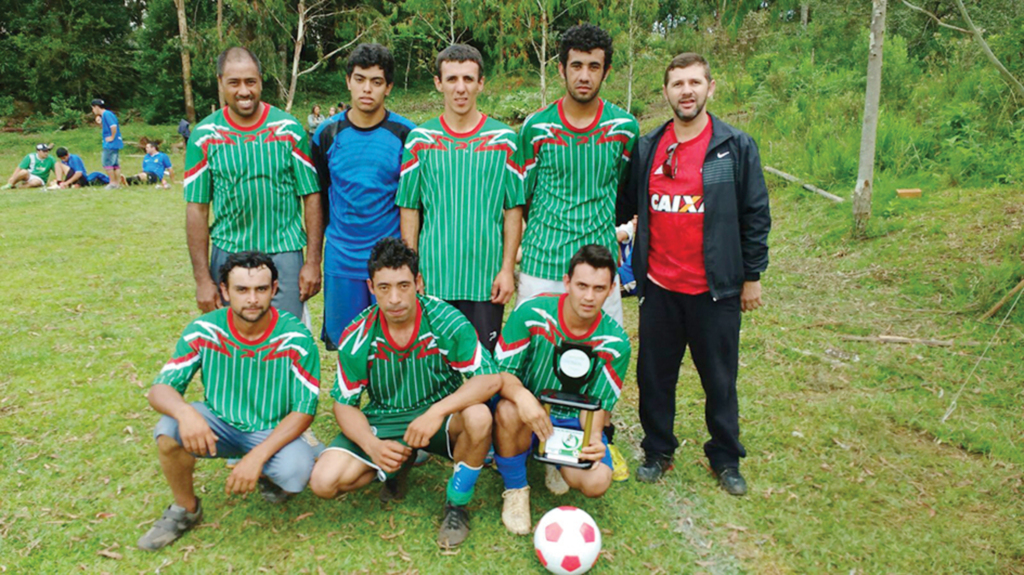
567,541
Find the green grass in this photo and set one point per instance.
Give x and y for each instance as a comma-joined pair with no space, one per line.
850,466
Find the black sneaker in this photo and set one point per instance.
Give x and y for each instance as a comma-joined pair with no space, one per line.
395,488
454,526
731,480
653,468
271,492
172,525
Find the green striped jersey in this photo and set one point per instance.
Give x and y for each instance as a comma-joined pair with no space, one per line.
253,178
442,351
463,183
527,344
249,384
572,180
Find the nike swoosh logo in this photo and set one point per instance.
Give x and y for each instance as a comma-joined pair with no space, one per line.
723,154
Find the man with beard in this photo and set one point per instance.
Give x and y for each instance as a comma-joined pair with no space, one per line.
576,155
250,163
260,391
358,156
701,245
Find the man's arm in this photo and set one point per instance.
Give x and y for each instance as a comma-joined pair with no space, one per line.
410,222
476,389
71,181
309,276
626,202
504,283
387,454
244,476
594,450
529,407
196,435
197,229
113,133
755,223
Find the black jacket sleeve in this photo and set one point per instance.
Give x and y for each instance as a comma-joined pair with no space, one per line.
754,213
625,204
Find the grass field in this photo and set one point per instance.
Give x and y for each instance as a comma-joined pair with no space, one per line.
850,466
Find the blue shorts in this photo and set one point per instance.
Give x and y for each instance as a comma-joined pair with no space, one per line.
289,468
111,159
344,299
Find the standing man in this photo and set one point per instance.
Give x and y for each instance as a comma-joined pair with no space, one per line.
411,353
250,162
34,169
576,155
525,355
459,172
358,156
701,245
112,142
260,392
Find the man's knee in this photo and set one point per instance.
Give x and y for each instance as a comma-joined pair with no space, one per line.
506,415
335,472
596,481
168,445
476,421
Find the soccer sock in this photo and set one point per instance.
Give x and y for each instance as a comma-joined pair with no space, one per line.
513,469
460,486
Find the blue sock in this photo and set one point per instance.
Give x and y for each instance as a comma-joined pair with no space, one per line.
460,486
513,469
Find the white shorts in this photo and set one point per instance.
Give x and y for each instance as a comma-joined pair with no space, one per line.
35,181
530,286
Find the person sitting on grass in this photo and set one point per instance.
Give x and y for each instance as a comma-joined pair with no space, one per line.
260,380
33,171
71,172
410,352
156,169
526,355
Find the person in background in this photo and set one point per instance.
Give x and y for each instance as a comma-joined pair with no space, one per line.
113,142
314,119
156,168
71,172
33,170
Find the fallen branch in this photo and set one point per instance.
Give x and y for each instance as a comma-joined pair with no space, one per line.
907,340
1003,301
808,187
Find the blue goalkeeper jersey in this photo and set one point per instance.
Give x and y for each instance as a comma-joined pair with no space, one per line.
358,170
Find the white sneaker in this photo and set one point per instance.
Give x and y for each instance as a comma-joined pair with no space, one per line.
515,512
554,481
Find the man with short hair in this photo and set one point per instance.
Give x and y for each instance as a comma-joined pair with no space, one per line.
71,172
410,353
249,164
526,355
34,169
156,168
260,384
576,155
113,142
461,175
701,246
358,156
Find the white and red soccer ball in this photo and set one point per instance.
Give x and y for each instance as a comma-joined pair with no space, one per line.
567,541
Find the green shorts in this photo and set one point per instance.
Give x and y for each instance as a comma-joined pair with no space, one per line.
393,426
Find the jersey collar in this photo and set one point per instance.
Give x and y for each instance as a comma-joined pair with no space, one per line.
262,337
415,329
568,124
263,118
565,326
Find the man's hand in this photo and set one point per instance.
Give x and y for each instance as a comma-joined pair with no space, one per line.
389,455
422,428
502,287
207,296
750,297
244,476
593,452
196,436
533,414
309,281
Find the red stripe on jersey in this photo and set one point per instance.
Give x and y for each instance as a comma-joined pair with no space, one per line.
514,345
183,359
349,385
198,167
460,365
294,356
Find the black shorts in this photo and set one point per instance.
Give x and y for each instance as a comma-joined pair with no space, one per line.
153,178
486,319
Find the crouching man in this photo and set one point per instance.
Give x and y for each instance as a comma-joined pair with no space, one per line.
411,354
525,355
260,377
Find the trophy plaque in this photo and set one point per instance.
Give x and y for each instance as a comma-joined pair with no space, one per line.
574,365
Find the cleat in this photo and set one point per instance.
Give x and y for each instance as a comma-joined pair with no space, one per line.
515,511
554,481
174,522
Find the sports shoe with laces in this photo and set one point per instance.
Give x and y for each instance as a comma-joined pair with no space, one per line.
515,511
653,468
554,481
454,526
174,522
731,480
620,468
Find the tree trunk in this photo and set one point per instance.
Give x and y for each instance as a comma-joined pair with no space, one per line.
408,64
632,57
543,56
186,63
805,11
866,171
1014,83
220,39
300,39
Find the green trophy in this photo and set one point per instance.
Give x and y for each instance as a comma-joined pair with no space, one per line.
574,365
